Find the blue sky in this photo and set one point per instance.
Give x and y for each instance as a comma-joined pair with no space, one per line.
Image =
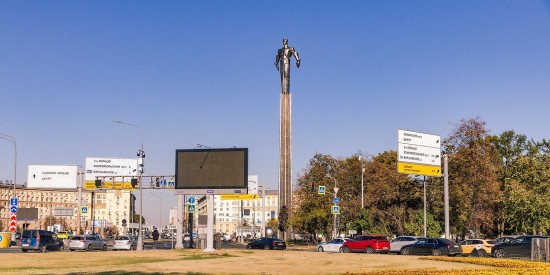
190,72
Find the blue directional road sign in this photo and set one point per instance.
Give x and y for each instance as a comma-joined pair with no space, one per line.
322,190
13,209
163,182
14,201
192,200
336,200
192,208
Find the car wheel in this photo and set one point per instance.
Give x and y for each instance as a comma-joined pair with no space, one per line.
89,247
104,247
320,249
481,253
341,250
500,253
405,251
43,249
369,250
266,247
248,246
24,250
345,249
71,249
61,248
436,252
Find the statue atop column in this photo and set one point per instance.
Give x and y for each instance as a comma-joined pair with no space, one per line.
283,61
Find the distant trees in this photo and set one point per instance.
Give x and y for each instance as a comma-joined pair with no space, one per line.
498,185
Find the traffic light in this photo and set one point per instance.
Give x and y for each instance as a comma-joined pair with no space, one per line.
98,183
133,182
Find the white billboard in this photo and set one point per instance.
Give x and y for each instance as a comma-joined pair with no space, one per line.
114,172
52,176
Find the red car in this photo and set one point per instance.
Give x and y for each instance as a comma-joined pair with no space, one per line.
367,243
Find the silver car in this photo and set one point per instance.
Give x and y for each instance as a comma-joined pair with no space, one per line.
333,245
87,242
397,243
124,243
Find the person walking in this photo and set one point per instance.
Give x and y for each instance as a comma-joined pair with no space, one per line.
155,237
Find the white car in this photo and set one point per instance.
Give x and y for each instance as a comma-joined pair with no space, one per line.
332,245
124,243
397,243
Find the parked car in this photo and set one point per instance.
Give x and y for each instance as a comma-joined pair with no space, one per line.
477,247
41,240
519,247
124,243
267,243
367,243
506,238
333,245
64,234
432,246
397,243
87,242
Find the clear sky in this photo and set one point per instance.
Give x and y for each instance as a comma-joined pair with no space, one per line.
190,72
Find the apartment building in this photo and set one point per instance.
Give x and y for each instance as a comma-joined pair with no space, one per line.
110,207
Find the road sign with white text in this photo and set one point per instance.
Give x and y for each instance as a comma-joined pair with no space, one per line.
418,153
226,197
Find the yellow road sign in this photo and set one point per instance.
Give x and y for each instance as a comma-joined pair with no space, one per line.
238,197
419,169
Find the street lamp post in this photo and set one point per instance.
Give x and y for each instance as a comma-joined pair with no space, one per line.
12,140
141,154
362,184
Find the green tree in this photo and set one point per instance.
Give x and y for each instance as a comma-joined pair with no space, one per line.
473,185
416,226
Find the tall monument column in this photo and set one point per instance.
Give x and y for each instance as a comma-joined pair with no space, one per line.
282,63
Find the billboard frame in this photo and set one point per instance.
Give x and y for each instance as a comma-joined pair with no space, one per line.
211,189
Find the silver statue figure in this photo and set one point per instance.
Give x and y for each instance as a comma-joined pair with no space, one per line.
283,60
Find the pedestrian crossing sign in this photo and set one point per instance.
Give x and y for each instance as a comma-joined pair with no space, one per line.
84,210
336,209
192,208
322,190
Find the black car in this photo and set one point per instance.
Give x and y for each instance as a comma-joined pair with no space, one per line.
520,247
432,246
267,243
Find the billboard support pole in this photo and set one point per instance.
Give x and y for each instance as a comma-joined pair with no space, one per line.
210,224
179,219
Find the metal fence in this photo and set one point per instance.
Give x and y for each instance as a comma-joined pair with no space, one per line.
540,250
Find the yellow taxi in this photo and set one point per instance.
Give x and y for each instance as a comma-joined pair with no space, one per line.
64,234
477,247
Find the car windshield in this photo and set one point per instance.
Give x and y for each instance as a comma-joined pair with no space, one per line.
29,234
77,238
118,238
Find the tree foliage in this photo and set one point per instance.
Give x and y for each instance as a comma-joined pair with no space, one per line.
498,184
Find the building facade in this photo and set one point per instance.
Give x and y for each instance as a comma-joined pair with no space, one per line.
241,217
110,207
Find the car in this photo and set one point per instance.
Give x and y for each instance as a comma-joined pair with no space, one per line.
267,243
520,247
432,246
41,240
367,243
64,234
124,243
333,245
477,247
506,238
397,243
87,242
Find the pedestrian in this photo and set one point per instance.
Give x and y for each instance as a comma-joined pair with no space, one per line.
155,237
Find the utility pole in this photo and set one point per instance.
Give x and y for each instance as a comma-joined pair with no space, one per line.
446,194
